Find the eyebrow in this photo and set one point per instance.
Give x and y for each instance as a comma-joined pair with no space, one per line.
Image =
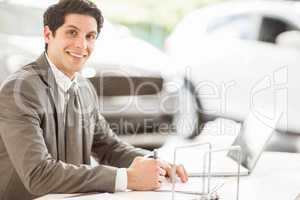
72,26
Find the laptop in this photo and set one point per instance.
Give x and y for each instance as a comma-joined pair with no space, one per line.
252,138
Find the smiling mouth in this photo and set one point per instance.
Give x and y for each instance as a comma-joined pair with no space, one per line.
76,55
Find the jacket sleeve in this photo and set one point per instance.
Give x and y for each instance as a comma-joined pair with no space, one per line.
20,119
109,149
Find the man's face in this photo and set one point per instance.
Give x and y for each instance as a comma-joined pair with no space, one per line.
72,44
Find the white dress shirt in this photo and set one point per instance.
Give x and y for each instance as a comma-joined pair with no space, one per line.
64,83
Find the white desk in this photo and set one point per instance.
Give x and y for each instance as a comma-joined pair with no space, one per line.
276,177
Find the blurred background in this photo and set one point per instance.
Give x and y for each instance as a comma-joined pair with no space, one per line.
174,70
150,20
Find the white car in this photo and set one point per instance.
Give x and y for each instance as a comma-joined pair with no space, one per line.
243,56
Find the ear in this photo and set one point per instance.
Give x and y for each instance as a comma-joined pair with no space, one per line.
47,34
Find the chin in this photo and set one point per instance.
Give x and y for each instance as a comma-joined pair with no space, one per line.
76,66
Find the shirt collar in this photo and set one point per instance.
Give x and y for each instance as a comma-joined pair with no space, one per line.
63,81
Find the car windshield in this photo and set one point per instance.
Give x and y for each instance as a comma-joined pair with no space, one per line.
20,20
237,26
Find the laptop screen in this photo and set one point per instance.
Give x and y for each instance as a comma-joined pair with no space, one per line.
253,137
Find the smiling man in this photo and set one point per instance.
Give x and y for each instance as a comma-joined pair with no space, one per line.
70,45
50,124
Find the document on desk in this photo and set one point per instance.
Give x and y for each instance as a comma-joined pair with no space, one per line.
193,186
92,196
81,196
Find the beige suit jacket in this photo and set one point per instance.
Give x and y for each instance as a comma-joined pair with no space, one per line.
32,142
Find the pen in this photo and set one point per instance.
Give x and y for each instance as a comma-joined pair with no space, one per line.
155,154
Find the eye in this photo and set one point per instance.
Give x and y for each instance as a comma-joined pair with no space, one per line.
72,33
91,37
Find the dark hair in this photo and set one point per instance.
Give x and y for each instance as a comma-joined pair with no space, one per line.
54,17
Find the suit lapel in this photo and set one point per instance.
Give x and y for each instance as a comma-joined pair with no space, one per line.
83,100
44,70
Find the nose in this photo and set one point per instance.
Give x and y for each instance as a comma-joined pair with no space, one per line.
81,43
